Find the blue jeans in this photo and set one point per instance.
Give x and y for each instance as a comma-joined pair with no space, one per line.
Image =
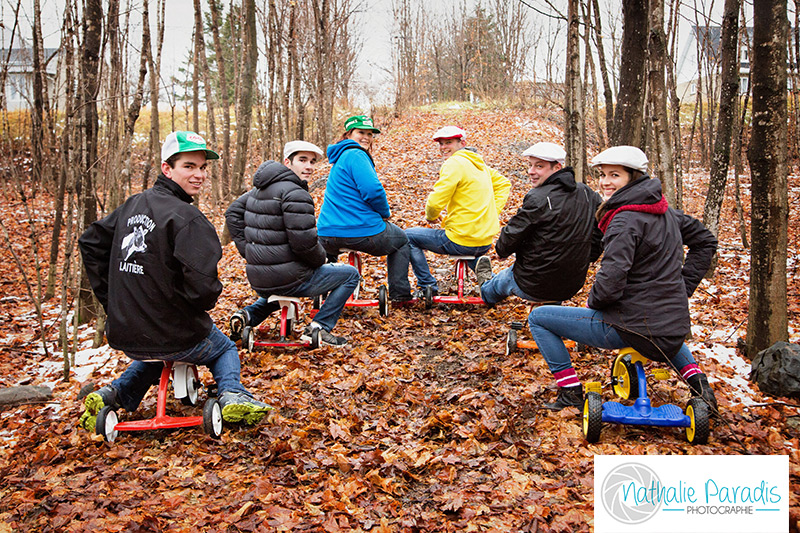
391,242
337,279
503,285
216,351
549,323
435,240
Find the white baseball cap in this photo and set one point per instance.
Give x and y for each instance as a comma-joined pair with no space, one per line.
185,141
627,156
449,132
546,152
300,146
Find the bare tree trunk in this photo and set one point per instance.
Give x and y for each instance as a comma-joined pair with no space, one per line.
225,102
658,101
216,195
39,97
767,316
675,107
575,132
589,67
628,118
729,43
89,85
608,95
154,65
244,105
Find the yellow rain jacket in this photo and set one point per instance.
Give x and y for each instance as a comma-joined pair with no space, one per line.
473,194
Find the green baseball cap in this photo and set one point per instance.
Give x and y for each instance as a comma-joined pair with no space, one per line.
361,122
185,141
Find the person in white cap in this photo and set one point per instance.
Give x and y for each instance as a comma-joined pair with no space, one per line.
355,212
640,294
152,264
274,229
554,235
472,194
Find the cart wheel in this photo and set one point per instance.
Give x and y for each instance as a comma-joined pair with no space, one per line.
248,338
592,416
511,342
315,338
428,297
192,386
317,302
212,418
697,411
106,423
623,377
383,301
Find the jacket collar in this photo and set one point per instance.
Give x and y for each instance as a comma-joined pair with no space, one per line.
163,182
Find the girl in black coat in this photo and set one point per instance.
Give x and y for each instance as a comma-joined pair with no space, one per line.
640,294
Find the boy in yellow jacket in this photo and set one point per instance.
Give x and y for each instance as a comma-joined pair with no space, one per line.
472,194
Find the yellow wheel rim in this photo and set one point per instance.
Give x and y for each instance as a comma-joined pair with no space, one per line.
690,429
622,387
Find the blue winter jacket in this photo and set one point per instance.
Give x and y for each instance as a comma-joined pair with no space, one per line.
355,202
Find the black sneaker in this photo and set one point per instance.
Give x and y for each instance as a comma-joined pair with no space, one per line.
94,402
325,337
238,321
483,269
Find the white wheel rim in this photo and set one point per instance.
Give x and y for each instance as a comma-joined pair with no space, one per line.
216,419
111,425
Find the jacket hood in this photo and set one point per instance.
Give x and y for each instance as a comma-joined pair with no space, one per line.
471,156
645,190
564,177
271,172
334,151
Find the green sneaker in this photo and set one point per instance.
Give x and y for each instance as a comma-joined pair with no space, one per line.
241,407
93,403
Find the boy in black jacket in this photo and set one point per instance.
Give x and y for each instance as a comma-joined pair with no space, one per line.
152,264
554,235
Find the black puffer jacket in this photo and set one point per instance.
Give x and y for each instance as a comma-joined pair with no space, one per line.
555,237
274,229
643,284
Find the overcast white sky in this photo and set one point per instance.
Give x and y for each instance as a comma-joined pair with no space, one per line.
375,20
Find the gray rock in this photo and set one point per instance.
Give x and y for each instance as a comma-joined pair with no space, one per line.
776,370
25,394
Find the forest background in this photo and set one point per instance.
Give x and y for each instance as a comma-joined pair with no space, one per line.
423,424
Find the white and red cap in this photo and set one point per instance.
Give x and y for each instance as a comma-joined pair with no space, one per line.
449,132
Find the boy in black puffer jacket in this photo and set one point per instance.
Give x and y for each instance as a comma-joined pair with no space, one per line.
274,229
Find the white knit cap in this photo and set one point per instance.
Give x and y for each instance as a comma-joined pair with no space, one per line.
627,156
546,152
300,146
449,132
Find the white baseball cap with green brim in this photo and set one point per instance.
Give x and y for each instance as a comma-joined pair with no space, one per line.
185,141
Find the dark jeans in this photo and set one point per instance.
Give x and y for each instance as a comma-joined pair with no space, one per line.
435,240
391,242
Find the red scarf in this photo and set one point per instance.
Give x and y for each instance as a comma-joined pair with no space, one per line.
658,208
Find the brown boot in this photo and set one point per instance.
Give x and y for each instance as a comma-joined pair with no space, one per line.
567,397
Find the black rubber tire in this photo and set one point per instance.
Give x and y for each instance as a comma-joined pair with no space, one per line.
700,430
106,422
428,297
315,338
317,302
592,416
511,342
212,418
248,338
623,378
383,301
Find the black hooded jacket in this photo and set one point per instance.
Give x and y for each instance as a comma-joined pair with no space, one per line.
643,285
274,229
152,264
555,237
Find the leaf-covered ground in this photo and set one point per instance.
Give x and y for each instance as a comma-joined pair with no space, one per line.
420,424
